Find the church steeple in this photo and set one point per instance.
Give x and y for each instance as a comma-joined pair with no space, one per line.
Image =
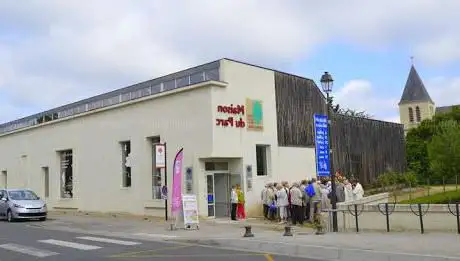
416,104
415,90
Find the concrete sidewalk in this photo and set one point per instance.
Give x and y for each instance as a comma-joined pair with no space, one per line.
331,246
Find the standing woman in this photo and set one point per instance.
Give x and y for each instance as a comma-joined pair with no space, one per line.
348,191
282,202
240,208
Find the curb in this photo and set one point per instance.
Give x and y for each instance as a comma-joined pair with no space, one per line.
310,251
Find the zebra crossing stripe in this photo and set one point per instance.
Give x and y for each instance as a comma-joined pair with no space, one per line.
28,250
108,240
69,244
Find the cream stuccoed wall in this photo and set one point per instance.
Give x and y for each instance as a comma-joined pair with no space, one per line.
181,119
284,163
184,117
427,111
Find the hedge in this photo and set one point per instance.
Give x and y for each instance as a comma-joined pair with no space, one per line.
438,198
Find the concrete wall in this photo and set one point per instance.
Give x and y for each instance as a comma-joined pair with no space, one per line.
437,218
94,139
184,117
284,163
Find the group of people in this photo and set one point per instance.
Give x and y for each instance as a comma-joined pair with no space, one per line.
301,201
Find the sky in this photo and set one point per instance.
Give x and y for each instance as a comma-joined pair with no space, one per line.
55,52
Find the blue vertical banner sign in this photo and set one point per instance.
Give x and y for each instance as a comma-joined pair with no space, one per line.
322,145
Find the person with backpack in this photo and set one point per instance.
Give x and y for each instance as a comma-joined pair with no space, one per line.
303,186
309,193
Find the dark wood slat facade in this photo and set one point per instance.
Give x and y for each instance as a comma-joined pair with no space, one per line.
364,148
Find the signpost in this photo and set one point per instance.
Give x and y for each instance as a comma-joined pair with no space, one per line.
322,145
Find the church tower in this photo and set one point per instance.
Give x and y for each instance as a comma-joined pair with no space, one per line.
416,104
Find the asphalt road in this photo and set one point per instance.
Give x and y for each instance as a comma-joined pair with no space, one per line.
23,242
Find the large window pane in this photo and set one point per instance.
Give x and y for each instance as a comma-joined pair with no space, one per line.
66,174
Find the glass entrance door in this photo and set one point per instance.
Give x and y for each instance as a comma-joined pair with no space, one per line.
210,195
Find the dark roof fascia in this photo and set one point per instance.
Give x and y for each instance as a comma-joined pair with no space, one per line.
131,88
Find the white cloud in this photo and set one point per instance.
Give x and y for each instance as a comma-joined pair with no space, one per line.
444,91
359,95
56,51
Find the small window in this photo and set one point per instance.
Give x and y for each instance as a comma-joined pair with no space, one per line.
262,159
210,166
196,78
4,179
417,114
157,177
156,88
184,81
169,85
411,114
66,158
46,181
126,163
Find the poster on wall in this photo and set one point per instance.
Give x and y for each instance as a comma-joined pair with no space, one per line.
177,183
160,156
249,177
190,209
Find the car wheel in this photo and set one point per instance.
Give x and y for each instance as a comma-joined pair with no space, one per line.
9,216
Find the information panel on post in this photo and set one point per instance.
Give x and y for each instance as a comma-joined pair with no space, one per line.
160,156
322,145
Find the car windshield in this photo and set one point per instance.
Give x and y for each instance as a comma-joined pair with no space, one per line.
22,195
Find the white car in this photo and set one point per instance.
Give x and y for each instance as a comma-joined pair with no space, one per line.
18,204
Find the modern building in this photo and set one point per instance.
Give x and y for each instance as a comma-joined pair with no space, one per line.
416,104
237,124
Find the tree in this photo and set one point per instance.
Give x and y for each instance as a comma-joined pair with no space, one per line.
416,149
444,149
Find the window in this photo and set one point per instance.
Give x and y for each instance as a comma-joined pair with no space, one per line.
46,181
181,82
262,159
156,88
411,114
210,166
196,78
169,85
66,158
126,163
157,177
4,179
417,114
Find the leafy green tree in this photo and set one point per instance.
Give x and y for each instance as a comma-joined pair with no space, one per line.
416,149
444,149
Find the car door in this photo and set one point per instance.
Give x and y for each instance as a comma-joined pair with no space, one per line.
3,204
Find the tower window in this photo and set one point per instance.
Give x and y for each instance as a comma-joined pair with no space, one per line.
411,114
417,114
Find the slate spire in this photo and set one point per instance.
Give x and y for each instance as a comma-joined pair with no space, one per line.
415,90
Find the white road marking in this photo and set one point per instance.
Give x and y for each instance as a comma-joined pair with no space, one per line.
69,244
154,235
108,240
28,250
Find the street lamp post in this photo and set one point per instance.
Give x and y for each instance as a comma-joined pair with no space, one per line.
326,84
